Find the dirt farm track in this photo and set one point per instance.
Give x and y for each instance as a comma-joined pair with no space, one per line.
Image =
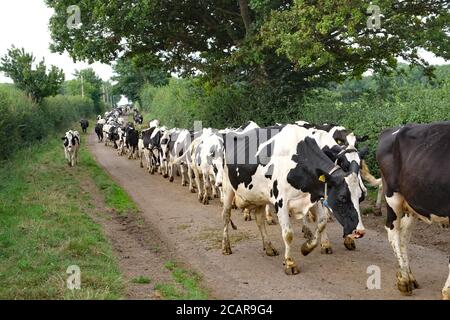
192,233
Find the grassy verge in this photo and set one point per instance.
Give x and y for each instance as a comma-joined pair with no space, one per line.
45,228
115,197
185,285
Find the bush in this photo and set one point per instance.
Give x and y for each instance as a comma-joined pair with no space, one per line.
362,109
24,122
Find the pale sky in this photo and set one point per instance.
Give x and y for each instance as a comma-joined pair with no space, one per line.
24,23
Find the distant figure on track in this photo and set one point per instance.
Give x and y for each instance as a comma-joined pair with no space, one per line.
84,125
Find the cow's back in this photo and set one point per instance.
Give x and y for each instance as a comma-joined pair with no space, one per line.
414,161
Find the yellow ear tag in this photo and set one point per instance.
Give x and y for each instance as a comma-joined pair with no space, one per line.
322,178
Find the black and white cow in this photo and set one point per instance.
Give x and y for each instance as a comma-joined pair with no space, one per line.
285,166
84,125
207,156
111,133
151,142
175,143
415,168
71,147
132,140
344,137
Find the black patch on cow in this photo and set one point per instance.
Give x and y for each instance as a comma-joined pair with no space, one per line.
340,136
240,151
411,162
275,189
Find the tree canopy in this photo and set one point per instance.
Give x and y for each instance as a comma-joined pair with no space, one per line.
131,74
36,81
289,44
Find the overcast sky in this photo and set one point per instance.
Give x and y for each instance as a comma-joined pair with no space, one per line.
24,23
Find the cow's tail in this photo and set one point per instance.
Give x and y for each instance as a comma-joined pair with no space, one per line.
374,182
182,158
367,176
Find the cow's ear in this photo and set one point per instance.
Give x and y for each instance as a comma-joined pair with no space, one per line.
362,138
363,152
333,152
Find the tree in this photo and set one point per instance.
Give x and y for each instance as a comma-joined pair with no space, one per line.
88,83
133,73
285,44
37,82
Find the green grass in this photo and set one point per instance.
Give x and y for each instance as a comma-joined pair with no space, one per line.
115,197
141,280
185,285
45,228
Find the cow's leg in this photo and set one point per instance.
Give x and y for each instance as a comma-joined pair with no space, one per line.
247,215
198,183
72,158
290,267
213,186
260,221
191,185
226,216
446,289
398,239
320,213
308,221
206,187
269,214
183,174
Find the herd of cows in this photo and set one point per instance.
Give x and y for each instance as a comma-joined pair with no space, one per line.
299,170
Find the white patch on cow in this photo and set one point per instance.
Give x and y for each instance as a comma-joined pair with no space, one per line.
351,139
353,182
301,123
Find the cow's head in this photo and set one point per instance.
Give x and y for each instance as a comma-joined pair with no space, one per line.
69,140
344,194
216,160
165,139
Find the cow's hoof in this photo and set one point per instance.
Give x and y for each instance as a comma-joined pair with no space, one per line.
306,248
349,243
307,233
290,267
446,293
325,248
171,179
226,249
271,251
